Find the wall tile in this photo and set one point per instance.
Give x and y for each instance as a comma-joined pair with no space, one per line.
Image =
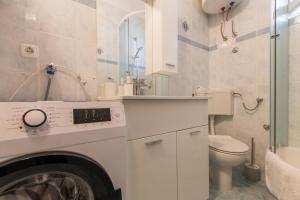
50,24
57,17
246,71
10,54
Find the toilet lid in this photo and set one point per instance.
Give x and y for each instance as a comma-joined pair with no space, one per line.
227,144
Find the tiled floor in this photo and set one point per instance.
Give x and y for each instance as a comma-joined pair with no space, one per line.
243,190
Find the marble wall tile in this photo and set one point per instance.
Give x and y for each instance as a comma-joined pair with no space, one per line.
58,50
191,12
294,38
64,31
12,12
294,87
10,38
246,71
10,81
193,55
181,84
86,23
57,17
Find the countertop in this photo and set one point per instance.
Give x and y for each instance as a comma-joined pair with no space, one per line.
153,98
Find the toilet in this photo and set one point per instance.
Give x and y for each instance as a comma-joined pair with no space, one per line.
225,152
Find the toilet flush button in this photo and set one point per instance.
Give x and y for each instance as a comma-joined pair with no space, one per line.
34,118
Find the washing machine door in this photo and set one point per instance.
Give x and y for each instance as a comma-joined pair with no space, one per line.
54,182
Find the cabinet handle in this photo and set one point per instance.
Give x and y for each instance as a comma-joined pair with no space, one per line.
153,142
195,133
170,65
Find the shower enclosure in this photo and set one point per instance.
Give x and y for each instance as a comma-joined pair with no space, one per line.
283,160
285,75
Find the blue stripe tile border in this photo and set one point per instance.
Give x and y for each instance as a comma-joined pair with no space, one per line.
205,47
215,47
253,34
246,37
89,3
193,43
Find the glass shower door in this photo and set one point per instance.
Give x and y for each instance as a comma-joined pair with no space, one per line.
280,75
285,74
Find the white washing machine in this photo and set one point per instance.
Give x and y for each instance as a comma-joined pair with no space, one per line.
62,150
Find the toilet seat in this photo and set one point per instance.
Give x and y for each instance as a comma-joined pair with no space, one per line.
227,145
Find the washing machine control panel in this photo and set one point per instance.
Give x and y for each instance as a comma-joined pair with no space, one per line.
38,118
91,115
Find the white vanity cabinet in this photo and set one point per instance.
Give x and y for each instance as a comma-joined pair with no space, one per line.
192,164
167,148
171,166
152,168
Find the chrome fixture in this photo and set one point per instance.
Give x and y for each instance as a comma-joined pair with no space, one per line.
223,24
259,101
234,33
185,26
140,86
235,50
266,127
99,51
136,56
225,18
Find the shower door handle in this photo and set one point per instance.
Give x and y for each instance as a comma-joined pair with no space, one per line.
275,36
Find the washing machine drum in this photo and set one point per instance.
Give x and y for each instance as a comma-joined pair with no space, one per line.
53,182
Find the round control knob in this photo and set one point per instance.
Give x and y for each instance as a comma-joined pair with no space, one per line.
34,118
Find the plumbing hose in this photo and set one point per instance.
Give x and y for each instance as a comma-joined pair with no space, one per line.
59,68
258,102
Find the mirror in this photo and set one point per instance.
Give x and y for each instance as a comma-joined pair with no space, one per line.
122,44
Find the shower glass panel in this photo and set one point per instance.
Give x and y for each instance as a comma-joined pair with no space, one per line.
285,74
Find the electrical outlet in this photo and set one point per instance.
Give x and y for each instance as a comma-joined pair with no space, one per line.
29,51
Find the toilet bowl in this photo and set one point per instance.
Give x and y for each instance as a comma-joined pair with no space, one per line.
225,153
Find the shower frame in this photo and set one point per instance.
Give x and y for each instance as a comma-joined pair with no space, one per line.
279,75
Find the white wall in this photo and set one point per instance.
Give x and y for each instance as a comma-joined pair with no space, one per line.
193,60
217,67
294,126
246,72
65,32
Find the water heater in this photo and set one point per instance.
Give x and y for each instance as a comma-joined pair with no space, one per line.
218,6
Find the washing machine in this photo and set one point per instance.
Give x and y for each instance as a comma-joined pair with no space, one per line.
62,151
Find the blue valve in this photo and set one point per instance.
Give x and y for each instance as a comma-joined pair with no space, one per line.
51,69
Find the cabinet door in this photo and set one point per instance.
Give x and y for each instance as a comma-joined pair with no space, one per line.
164,47
193,178
152,168
169,15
